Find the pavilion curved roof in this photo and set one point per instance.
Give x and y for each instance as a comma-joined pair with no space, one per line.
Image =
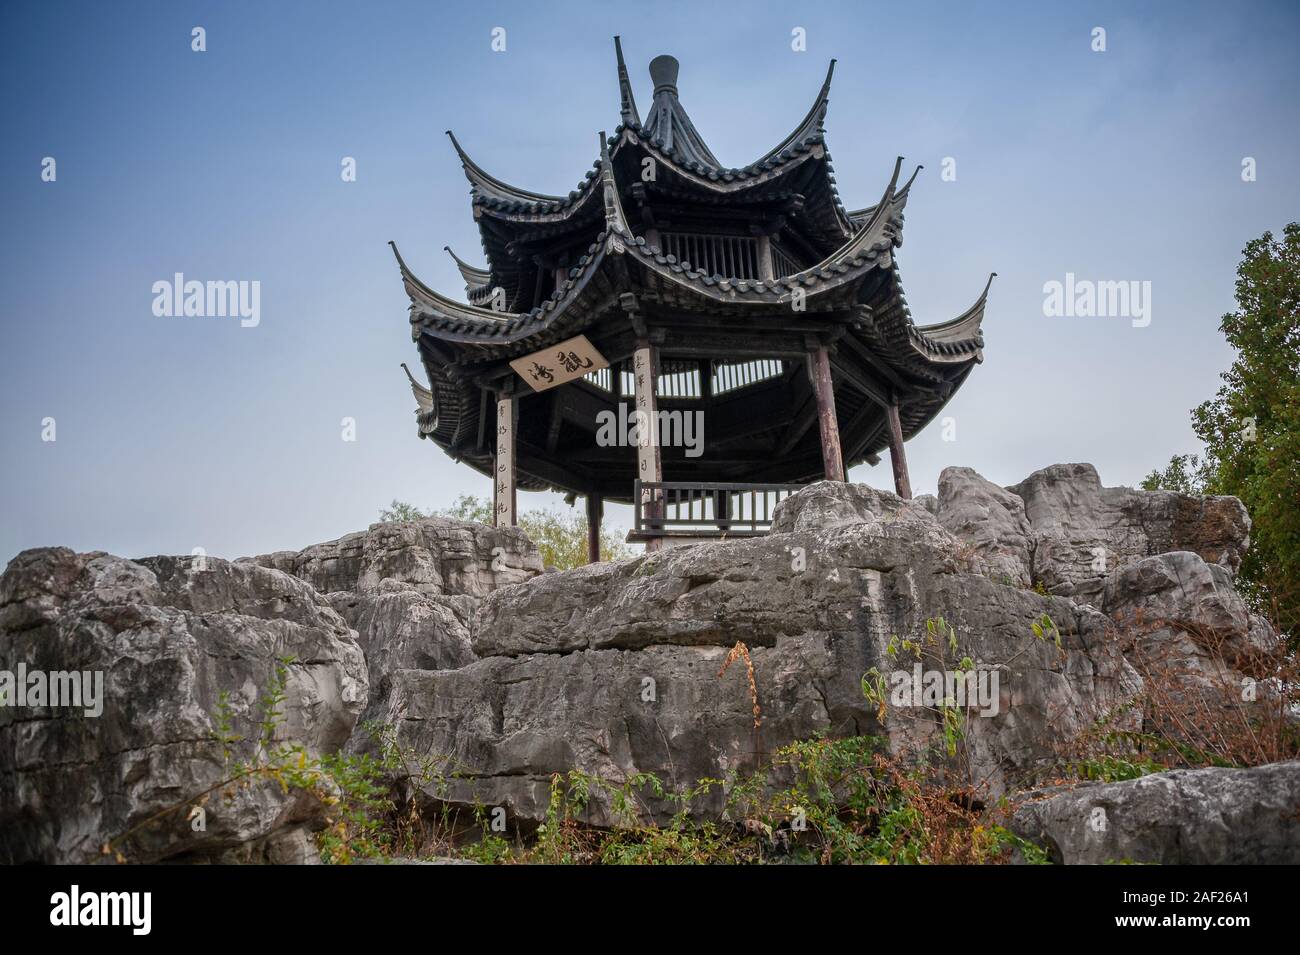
669,136
853,284
869,248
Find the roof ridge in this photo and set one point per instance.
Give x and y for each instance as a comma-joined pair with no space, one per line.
813,123
483,180
627,102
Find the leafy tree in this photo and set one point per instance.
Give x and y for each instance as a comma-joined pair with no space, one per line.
468,508
1186,473
401,511
561,538
1251,428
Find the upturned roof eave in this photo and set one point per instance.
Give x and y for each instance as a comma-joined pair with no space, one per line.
695,162
871,247
474,277
813,123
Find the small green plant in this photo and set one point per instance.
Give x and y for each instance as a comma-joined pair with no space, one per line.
1045,628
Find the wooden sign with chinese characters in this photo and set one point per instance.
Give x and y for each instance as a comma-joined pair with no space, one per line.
559,364
649,466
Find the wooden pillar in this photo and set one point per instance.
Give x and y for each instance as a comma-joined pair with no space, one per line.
595,511
503,497
819,366
766,271
649,466
902,483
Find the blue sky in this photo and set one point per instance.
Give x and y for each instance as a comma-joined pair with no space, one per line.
181,433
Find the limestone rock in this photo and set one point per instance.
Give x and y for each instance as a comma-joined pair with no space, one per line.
1083,531
991,521
409,589
169,636
829,504
1181,590
503,675
1182,817
434,555
566,658
401,628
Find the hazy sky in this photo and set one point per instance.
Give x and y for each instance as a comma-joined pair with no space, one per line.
175,433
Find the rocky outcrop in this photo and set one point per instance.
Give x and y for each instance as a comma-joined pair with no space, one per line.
410,591
500,676
991,522
170,639
1182,817
435,555
1083,531
613,669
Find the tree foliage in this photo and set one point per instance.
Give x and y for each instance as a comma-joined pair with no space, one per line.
561,538
1251,427
1186,473
401,511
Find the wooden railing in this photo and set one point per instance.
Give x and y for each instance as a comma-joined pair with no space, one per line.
734,375
692,509
731,256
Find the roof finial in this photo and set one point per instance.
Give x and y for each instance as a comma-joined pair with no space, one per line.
893,180
667,126
663,73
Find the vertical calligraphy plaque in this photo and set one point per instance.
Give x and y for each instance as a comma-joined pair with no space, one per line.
648,463
503,478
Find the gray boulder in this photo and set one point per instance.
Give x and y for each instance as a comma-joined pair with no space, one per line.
991,521
612,669
1182,817
1197,647
409,590
1180,591
434,555
1083,531
169,636
829,504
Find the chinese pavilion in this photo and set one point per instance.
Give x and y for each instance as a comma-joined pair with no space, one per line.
748,299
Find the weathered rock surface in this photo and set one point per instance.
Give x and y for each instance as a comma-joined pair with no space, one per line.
1182,817
613,669
505,675
410,591
991,521
435,555
1180,589
830,504
1194,642
1083,531
170,636
1181,592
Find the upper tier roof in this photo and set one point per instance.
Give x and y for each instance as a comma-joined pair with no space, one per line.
835,280
799,165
